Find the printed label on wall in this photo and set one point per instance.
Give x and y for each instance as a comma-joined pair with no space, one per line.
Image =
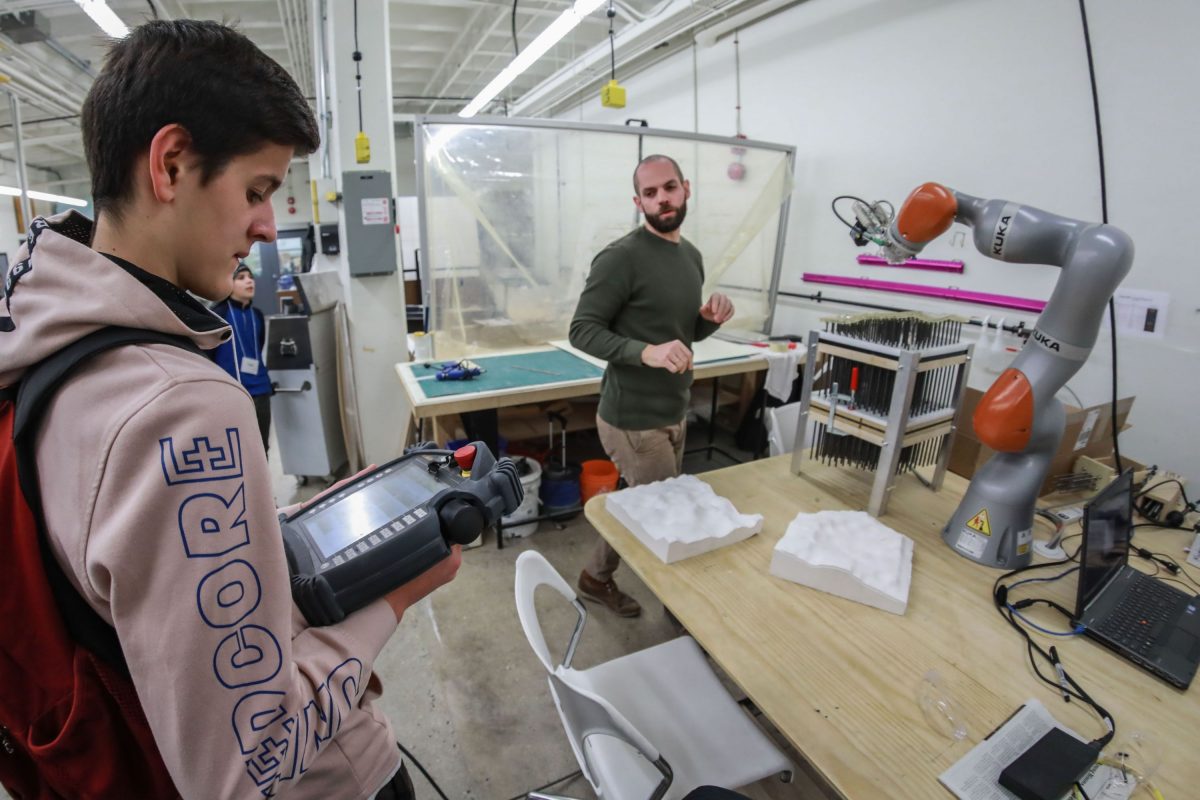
376,211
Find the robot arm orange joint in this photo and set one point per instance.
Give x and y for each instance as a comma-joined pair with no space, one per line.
926,213
1004,417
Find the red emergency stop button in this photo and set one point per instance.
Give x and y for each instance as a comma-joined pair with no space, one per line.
465,456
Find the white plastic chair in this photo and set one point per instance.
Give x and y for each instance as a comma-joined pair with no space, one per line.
653,724
781,428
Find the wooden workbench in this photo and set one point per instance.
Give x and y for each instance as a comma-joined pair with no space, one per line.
840,679
418,407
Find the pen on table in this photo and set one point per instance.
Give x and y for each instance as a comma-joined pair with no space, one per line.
1062,676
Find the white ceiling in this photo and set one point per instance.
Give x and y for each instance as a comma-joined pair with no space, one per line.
443,52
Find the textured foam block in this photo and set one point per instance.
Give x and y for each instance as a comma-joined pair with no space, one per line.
847,553
680,517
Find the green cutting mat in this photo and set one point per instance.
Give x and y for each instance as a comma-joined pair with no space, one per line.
508,372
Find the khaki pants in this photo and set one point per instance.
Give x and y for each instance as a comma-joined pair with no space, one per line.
641,457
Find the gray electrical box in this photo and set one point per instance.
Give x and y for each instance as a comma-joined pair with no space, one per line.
370,222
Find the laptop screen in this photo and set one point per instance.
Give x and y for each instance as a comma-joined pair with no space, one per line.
1107,522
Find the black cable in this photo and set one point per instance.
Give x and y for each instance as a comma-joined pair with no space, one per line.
413,758
842,219
1112,309
358,67
1174,567
1182,489
612,45
523,795
153,10
516,50
612,53
1006,611
1162,526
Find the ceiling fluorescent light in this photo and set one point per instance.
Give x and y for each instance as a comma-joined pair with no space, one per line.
105,17
13,191
562,25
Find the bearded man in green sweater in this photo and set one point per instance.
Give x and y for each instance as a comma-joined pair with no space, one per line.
641,311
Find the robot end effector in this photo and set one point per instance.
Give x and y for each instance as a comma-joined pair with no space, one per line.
927,213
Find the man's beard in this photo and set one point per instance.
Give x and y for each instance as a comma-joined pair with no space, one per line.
668,225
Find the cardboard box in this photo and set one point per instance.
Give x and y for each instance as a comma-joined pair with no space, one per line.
1088,433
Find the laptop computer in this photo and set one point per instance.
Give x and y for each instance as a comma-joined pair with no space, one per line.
1147,621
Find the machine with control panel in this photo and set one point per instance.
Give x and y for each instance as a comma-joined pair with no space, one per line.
391,524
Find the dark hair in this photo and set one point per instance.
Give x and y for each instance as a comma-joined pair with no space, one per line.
230,96
655,157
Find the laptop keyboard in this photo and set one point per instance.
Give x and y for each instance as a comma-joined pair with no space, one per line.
1143,611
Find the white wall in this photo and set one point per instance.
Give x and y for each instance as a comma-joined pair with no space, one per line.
992,99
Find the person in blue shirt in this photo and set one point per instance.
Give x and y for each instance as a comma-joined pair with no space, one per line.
241,356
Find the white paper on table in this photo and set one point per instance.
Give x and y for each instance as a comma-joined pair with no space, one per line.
976,776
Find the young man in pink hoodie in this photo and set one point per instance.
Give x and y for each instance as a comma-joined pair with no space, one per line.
154,483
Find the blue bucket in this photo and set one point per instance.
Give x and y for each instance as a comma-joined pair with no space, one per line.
560,491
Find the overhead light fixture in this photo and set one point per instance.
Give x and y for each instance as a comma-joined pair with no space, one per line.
13,191
562,25
105,17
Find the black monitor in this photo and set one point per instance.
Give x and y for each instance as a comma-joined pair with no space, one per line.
1107,528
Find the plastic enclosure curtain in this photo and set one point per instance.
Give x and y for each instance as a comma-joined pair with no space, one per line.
512,215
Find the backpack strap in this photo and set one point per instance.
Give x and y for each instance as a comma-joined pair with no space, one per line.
36,387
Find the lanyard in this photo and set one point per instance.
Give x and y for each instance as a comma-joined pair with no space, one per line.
239,330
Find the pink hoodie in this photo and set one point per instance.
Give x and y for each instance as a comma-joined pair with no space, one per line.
158,503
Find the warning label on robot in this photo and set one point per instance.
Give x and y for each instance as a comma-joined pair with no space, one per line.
980,523
971,543
1023,540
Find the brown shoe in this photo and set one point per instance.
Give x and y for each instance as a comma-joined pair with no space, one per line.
607,594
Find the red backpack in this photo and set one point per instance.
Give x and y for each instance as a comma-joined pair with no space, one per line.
71,725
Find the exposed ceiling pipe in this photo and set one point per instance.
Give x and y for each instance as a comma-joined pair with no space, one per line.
638,16
321,77
302,26
293,17
709,36
39,81
451,50
43,141
73,59
679,17
288,40
487,71
14,105
33,91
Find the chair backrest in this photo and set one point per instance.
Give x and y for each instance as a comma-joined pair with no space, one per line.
584,713
533,570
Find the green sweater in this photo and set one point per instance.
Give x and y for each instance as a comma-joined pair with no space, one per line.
642,290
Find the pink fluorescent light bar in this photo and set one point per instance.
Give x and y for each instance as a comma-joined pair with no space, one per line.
913,263
961,295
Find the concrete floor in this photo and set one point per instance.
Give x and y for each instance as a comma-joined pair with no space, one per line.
464,691
462,687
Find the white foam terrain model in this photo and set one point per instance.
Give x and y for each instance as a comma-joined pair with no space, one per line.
680,517
847,553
